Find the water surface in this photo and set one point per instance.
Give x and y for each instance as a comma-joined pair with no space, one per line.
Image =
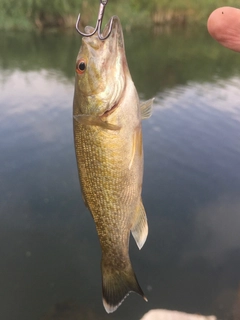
50,255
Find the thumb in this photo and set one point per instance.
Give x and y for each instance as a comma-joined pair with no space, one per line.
224,26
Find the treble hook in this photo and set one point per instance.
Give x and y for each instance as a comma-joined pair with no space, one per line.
103,3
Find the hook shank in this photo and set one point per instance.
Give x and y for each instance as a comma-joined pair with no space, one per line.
103,3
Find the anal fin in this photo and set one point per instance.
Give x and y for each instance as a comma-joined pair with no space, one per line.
140,226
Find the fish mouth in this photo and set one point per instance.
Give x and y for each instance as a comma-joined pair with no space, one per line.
107,59
116,33
116,26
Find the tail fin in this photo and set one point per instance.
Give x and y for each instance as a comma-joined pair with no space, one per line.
117,284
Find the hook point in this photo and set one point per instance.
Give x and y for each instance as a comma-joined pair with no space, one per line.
98,24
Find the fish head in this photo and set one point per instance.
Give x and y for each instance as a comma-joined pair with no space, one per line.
101,70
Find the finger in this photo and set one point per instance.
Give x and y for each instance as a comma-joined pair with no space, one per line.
224,26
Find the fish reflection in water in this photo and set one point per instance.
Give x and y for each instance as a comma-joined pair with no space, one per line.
108,143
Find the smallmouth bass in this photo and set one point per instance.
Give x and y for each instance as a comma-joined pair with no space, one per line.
108,143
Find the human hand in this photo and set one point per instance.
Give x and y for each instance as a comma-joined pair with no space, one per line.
224,26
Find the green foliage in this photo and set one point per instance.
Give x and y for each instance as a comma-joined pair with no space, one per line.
26,14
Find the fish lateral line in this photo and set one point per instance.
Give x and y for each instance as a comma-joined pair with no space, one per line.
95,121
136,145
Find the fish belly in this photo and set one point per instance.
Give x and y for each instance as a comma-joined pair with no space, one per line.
110,188
110,168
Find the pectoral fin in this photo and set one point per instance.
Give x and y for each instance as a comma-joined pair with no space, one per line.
146,108
95,121
140,226
136,144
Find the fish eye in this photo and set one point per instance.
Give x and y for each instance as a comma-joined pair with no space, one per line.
81,66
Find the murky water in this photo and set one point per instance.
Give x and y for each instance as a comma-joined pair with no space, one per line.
50,255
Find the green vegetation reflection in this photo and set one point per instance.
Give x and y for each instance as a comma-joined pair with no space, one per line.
157,61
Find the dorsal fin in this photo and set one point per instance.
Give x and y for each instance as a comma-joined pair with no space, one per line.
146,108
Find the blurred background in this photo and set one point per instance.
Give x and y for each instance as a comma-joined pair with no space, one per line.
49,250
31,14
